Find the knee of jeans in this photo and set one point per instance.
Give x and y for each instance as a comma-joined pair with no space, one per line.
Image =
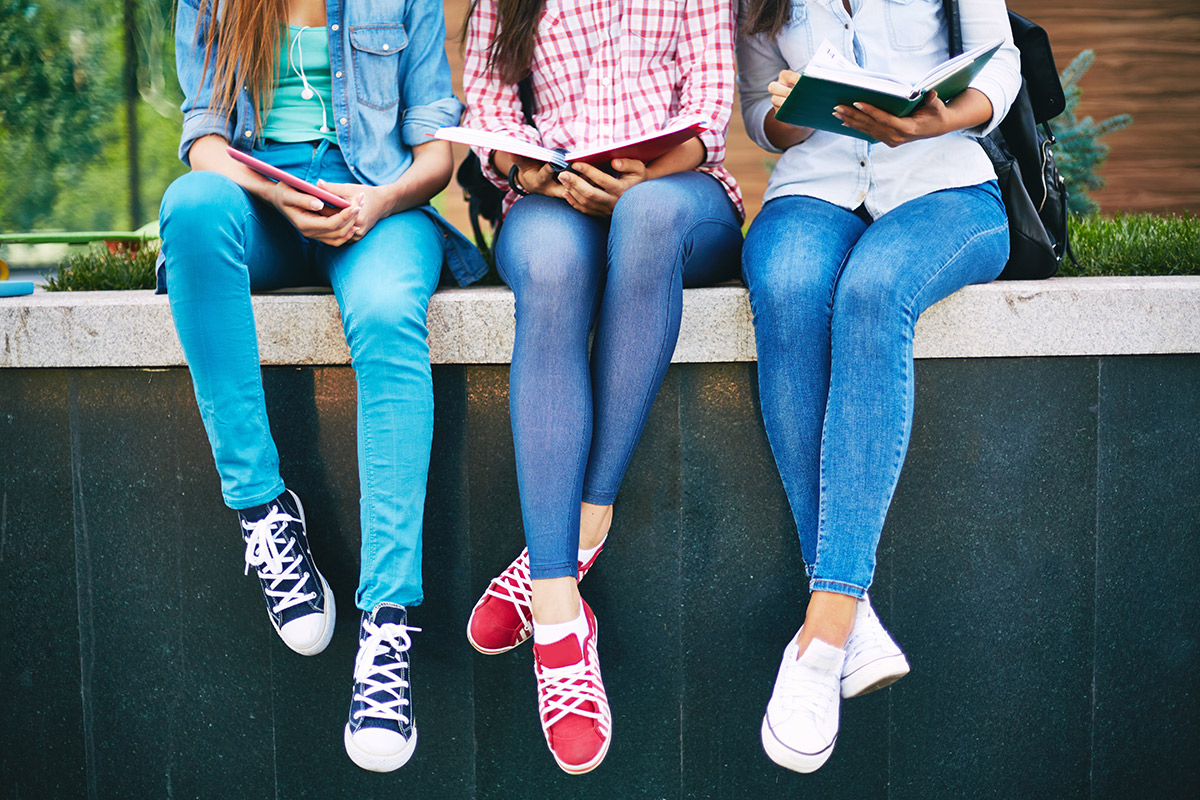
549,284
387,323
201,202
786,299
656,209
872,294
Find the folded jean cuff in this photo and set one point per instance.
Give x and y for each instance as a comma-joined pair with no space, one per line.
544,572
256,499
837,587
365,600
598,498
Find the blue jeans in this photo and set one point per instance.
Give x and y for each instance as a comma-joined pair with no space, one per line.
835,302
220,244
576,421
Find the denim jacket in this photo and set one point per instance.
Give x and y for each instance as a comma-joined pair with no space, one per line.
906,38
391,87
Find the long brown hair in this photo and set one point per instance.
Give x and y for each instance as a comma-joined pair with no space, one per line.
241,46
510,53
766,16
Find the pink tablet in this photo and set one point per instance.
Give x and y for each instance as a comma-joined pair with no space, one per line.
275,173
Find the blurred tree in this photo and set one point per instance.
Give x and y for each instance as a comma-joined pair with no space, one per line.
55,59
1080,153
64,155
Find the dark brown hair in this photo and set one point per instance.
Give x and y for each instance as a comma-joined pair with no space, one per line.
766,16
510,53
242,49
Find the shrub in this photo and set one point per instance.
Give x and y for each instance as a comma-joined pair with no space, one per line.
1080,153
1134,244
100,268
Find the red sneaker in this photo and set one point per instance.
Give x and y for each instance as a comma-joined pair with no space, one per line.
571,700
503,618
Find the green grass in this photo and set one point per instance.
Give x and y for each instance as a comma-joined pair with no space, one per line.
97,268
1134,244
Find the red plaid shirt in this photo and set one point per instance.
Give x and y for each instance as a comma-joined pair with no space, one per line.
606,70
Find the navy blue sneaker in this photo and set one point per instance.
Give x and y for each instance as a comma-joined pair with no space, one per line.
298,599
381,734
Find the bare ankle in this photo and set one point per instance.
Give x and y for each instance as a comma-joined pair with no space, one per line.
594,522
830,618
555,600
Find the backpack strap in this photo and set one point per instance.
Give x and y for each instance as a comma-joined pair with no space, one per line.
954,23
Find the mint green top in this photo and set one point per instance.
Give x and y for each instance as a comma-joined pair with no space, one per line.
292,118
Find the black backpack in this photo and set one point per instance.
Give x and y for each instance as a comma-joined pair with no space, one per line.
1034,193
484,199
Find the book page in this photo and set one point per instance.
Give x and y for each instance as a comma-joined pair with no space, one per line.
945,70
829,64
500,141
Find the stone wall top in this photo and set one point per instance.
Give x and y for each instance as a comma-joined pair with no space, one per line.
1056,317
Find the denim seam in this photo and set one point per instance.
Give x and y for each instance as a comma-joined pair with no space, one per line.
648,399
369,543
259,390
821,483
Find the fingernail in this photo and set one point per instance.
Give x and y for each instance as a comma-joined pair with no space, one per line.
859,106
316,205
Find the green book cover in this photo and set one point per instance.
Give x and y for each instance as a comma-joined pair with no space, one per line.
835,81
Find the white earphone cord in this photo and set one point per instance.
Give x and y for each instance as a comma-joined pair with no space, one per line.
308,91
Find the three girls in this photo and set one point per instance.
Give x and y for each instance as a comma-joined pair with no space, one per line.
854,241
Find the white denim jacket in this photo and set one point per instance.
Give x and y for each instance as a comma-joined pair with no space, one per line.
903,37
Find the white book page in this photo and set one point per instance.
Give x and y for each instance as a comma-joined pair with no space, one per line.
500,141
829,64
940,73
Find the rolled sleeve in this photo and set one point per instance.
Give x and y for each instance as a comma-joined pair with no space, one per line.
429,101
200,122
706,61
421,121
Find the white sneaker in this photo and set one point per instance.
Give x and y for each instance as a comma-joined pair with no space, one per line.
873,660
801,723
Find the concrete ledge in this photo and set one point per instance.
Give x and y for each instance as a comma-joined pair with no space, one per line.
1058,317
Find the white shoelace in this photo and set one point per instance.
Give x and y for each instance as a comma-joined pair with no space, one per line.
269,551
808,690
389,638
868,636
517,589
564,690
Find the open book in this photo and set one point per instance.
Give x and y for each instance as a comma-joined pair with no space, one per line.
643,148
830,79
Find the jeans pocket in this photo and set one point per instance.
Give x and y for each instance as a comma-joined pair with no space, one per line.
377,63
912,24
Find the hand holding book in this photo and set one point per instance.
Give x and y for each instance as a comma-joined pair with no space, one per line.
834,94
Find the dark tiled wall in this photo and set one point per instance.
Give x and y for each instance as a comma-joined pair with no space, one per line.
1040,567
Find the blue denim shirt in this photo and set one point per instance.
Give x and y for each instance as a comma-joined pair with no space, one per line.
391,87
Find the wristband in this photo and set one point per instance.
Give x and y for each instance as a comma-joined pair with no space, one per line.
513,183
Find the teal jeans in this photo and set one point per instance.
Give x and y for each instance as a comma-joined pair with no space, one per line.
220,244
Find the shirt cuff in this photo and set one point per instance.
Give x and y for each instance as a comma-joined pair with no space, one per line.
994,91
421,121
201,122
